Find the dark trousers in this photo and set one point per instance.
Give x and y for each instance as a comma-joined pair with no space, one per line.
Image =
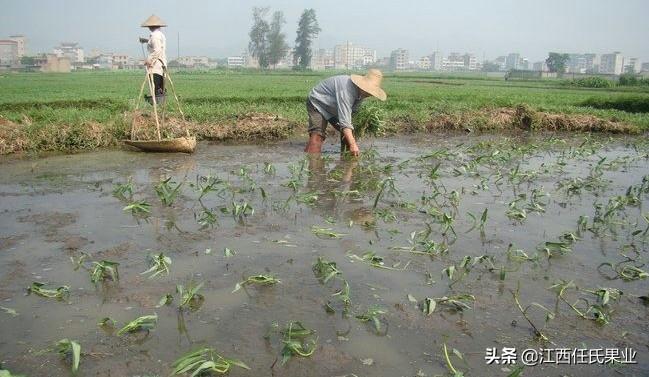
159,84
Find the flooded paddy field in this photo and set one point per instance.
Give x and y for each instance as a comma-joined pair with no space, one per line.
426,243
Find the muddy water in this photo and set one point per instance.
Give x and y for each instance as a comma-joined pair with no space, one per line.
58,207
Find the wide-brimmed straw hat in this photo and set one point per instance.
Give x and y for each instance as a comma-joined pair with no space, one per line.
371,83
153,21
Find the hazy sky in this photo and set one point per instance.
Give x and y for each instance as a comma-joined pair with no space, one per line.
219,28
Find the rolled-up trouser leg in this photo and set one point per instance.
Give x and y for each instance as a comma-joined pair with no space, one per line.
159,84
317,122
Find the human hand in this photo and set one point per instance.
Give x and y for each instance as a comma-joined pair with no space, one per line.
354,150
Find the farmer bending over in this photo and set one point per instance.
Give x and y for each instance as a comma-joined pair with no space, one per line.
334,100
156,62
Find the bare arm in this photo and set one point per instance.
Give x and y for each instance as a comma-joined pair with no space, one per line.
351,141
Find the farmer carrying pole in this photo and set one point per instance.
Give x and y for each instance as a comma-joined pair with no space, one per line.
334,100
156,62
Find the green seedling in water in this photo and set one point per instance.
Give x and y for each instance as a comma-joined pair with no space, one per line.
515,213
373,314
386,187
139,207
144,323
205,185
377,261
593,312
263,280
538,331
456,303
166,192
59,293
449,364
325,270
343,296
242,210
227,252
556,248
159,264
483,221
165,300
325,232
519,255
204,361
625,271
297,341
11,312
269,169
104,270
206,218
189,296
70,349
308,198
106,322
605,295
123,191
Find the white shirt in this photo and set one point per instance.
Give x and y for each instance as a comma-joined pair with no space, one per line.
157,48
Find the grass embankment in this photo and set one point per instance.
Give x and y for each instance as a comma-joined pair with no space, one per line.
87,110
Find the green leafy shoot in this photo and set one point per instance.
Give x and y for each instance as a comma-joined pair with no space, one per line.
297,341
449,364
556,248
227,252
374,260
70,349
59,293
325,270
159,264
104,270
166,192
138,207
11,312
263,280
144,323
106,322
373,315
325,232
165,300
189,296
206,218
204,361
123,191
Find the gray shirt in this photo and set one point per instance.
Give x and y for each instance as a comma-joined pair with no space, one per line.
336,97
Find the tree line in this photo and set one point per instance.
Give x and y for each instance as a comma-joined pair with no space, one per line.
268,43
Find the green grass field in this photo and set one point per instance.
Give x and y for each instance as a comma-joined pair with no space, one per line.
38,102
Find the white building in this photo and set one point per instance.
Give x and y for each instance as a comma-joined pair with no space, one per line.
424,63
194,61
540,66
399,60
632,65
612,63
8,53
436,59
349,56
236,61
70,50
323,59
21,44
470,62
513,61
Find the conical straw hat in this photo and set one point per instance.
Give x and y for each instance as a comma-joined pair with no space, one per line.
153,21
371,83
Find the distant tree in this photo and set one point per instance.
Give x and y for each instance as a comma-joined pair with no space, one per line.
557,62
307,30
277,46
259,45
28,60
490,67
